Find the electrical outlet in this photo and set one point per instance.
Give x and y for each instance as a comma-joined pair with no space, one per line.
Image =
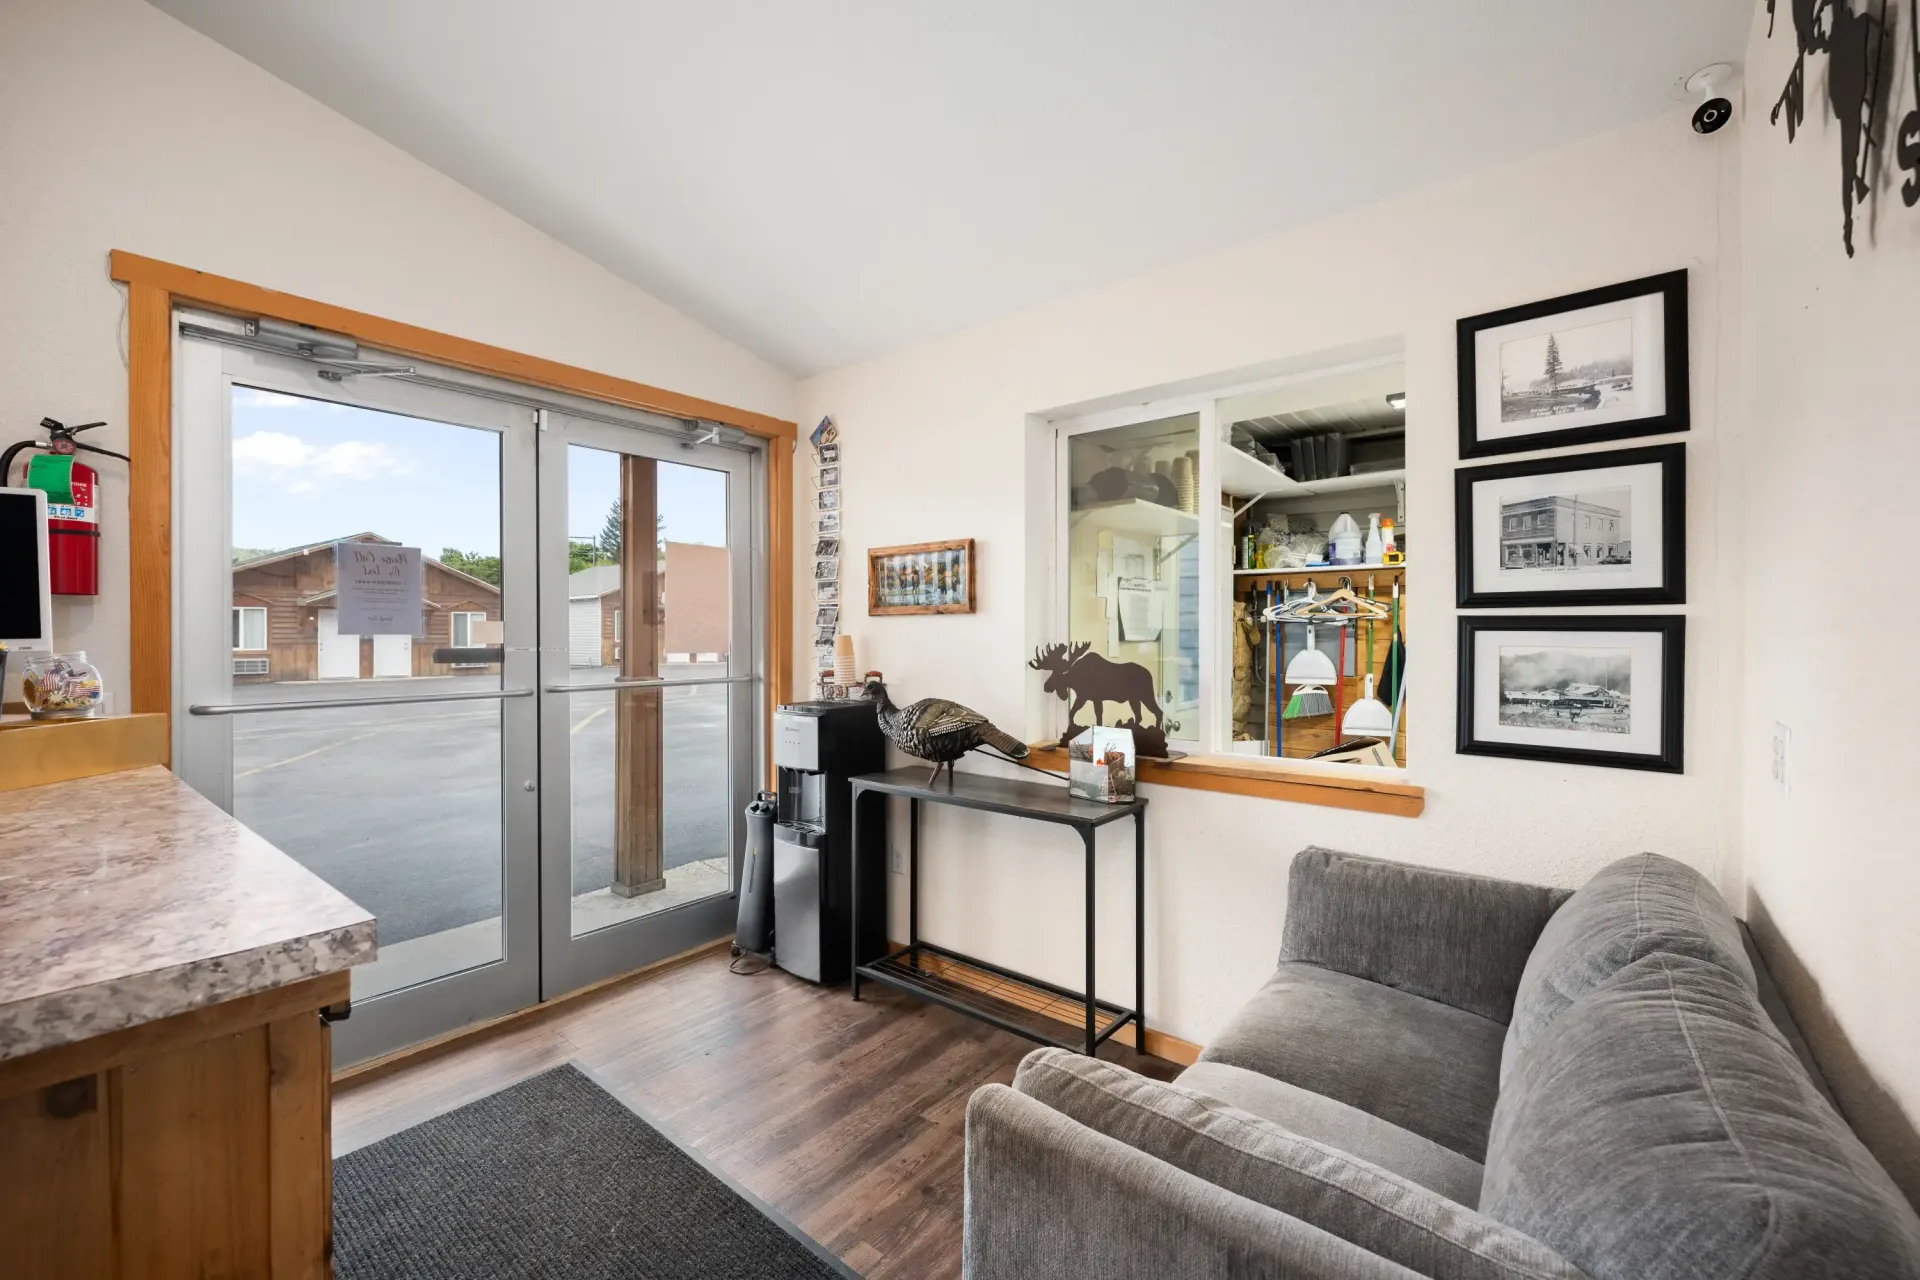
899,861
1782,751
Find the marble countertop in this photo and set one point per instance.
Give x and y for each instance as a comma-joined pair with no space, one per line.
129,897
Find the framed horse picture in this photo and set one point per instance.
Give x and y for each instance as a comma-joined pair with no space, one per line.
926,577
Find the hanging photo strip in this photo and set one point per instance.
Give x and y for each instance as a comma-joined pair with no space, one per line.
825,441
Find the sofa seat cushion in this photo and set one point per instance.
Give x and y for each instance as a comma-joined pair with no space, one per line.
1241,1153
1661,1129
1639,906
1316,1116
1422,1065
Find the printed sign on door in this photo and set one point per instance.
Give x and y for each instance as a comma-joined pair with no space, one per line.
378,588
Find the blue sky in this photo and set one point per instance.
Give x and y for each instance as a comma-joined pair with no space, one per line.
307,470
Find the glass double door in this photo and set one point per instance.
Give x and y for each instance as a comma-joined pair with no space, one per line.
487,668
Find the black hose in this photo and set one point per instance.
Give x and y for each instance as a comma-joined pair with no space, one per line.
13,450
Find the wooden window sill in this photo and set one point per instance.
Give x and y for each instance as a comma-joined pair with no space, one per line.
1268,779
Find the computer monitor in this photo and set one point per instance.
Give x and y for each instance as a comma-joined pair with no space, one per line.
26,584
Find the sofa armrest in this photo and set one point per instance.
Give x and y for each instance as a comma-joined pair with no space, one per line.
1046,1196
1459,939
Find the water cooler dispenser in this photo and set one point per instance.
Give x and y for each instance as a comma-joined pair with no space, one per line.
817,746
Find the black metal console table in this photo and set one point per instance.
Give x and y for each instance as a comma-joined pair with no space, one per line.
904,969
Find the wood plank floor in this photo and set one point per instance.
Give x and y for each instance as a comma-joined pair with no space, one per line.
847,1117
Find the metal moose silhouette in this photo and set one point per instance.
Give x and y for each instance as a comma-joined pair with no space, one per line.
1091,678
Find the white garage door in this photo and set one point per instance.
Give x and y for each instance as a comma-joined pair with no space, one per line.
339,655
393,655
583,633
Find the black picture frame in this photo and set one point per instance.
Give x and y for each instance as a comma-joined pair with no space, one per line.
1672,628
1672,461
1672,285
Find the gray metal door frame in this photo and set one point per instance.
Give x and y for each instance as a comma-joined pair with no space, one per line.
569,962
205,373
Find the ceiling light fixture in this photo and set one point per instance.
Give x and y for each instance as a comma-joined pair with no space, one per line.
1398,400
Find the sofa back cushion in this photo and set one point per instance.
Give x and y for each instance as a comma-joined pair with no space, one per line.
1636,907
1459,939
1239,1152
1661,1129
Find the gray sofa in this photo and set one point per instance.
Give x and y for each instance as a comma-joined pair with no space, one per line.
1455,1077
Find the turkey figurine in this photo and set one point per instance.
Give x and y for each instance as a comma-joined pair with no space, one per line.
938,730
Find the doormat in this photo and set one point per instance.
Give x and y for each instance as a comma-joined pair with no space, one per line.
553,1177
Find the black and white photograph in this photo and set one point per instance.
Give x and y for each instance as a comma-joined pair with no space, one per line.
827,454
1568,530
1566,687
824,570
1605,364
830,477
826,548
827,522
829,500
826,616
1592,529
827,592
1567,370
823,635
1573,689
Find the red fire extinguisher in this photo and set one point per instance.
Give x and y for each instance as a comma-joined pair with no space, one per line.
73,511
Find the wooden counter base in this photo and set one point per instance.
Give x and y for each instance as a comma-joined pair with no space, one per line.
195,1145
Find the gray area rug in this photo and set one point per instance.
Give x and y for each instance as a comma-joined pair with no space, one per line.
553,1177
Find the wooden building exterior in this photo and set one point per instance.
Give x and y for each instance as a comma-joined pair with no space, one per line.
294,589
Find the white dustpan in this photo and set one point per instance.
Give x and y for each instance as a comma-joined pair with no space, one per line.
1310,666
1368,717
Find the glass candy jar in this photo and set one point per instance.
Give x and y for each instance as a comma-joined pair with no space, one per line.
60,686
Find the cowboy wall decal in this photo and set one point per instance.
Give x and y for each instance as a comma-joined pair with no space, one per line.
1855,45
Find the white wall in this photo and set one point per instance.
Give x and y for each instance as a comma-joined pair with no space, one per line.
1831,457
934,447
120,128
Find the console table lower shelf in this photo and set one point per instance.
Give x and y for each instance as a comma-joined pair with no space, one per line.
1006,998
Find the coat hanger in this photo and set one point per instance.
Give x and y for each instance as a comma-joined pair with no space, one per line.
1344,605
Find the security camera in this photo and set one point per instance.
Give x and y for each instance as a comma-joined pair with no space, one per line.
1711,114
1714,111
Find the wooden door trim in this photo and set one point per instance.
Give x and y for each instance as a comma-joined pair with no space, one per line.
155,288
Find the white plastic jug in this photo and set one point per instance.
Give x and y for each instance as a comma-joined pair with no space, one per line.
1345,536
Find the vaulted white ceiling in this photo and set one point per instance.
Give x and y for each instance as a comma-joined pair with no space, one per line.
824,181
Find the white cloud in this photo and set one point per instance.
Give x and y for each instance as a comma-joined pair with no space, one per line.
269,451
302,467
359,460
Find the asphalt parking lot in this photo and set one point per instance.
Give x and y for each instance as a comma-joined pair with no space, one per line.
400,807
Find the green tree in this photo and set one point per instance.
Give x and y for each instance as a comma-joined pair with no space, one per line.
610,533
582,555
485,568
1554,366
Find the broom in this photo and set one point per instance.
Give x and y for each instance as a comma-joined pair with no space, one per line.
1292,709
1309,700
1393,673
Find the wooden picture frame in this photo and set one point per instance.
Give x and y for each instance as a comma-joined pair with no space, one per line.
1646,320
1615,535
1578,719
923,577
